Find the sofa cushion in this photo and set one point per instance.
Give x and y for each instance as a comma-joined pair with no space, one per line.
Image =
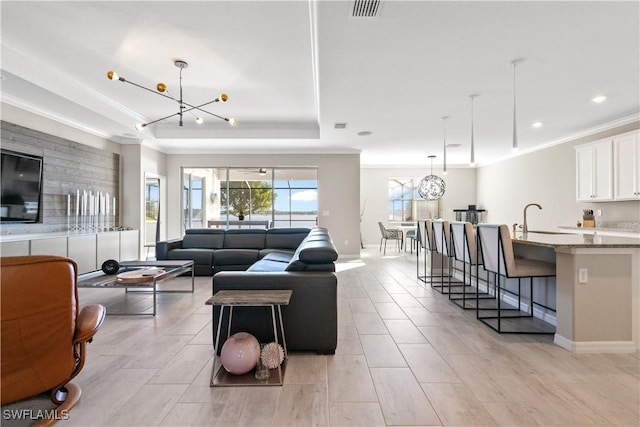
285,238
314,254
280,256
199,256
265,265
235,256
203,238
244,239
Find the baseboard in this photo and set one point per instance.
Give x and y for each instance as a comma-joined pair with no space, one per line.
594,346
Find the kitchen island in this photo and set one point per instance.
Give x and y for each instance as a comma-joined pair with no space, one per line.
597,288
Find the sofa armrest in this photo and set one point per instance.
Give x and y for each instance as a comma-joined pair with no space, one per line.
89,321
163,248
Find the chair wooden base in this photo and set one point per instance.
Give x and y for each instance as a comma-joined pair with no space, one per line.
67,396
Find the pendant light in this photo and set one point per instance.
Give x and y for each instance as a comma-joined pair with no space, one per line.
431,187
514,143
472,158
444,144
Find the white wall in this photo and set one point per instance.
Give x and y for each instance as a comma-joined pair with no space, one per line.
460,192
338,189
546,177
131,190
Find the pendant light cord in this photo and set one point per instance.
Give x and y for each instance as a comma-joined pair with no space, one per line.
514,145
472,159
444,143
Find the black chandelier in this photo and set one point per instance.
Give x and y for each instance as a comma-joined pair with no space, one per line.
184,107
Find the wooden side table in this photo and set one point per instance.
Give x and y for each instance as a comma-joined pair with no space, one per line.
248,298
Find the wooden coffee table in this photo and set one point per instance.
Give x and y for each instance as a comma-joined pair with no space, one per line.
139,275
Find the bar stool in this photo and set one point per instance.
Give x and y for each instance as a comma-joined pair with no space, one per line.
463,245
428,245
497,254
442,237
421,244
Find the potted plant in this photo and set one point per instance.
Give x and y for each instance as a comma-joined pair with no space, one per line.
243,200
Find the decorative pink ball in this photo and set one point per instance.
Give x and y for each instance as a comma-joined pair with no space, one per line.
240,353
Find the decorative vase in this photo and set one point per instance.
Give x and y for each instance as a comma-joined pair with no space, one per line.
240,353
262,372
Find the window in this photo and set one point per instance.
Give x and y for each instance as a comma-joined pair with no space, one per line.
401,199
295,198
193,200
220,197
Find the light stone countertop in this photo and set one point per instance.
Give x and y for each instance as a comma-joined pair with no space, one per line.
561,240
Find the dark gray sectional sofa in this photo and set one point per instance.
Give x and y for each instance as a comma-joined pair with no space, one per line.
214,250
299,259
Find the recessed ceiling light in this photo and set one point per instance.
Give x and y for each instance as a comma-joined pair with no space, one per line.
364,133
536,124
598,99
340,126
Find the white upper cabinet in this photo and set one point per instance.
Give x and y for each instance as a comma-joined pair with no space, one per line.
594,172
626,166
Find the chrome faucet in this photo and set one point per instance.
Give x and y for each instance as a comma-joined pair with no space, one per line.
525,227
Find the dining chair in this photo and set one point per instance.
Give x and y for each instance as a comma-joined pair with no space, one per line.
498,257
411,236
390,234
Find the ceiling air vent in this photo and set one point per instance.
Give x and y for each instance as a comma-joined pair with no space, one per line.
340,126
365,8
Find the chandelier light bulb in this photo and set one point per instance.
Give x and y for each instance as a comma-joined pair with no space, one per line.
199,120
112,75
161,87
140,127
232,121
223,97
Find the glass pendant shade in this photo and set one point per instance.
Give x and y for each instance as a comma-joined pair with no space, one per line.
431,187
514,143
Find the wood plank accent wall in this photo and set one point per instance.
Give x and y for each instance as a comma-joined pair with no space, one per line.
67,167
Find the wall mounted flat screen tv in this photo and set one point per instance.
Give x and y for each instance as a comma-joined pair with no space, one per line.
20,187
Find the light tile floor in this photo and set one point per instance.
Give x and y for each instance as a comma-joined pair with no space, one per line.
405,356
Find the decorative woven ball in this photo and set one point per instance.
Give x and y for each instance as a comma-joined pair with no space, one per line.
272,355
240,353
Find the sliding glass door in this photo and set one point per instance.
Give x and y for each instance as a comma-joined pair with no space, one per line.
249,197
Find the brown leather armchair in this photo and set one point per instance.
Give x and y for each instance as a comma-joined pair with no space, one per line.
44,334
